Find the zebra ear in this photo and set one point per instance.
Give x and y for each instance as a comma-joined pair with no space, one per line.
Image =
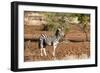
59,29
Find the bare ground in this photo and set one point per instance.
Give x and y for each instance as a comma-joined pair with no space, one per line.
76,49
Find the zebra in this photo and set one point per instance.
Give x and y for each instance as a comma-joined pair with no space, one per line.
52,40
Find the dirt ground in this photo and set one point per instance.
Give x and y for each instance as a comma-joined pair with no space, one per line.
77,48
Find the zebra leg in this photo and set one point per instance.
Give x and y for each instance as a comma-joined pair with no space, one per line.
54,51
44,51
41,52
54,48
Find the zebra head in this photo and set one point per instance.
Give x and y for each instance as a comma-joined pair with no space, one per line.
60,32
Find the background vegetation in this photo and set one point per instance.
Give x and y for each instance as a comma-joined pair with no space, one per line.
55,20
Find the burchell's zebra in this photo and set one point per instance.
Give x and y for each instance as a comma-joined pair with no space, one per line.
53,41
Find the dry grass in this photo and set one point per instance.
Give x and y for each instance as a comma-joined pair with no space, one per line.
76,49
80,50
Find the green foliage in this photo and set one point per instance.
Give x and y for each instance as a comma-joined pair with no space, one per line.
84,21
55,20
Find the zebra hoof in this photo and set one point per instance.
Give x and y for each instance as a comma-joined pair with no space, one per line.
45,54
41,54
54,58
53,55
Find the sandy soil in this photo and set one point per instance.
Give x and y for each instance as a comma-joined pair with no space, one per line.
77,48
